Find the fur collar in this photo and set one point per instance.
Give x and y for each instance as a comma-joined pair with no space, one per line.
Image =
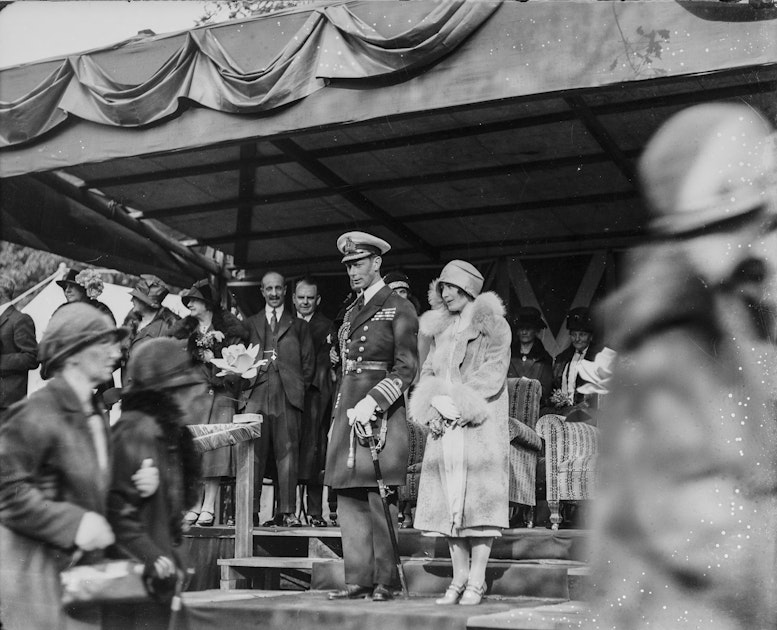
224,321
486,309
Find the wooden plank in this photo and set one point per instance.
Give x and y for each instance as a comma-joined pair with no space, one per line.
244,499
274,562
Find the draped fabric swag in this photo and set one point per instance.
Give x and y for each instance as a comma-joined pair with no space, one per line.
333,44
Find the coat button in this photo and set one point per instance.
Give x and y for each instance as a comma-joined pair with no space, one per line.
363,338
358,370
366,328
358,358
361,348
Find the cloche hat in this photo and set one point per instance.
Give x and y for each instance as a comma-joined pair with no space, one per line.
462,274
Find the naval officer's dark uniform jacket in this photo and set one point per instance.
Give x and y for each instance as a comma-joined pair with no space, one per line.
379,357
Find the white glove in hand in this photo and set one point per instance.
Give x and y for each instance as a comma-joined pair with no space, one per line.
362,414
146,478
446,407
164,567
94,532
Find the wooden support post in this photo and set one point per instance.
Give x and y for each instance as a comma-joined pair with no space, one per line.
244,500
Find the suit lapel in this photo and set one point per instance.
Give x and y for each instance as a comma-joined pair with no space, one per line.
284,323
5,315
371,307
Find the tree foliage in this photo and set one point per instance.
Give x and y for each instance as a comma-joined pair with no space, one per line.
235,9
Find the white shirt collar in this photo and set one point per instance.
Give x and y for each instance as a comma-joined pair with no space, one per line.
307,318
370,292
268,312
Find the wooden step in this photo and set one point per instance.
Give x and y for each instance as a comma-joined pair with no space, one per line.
263,571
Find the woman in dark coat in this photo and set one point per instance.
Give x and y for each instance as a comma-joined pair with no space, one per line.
529,359
462,396
207,331
54,472
165,392
85,286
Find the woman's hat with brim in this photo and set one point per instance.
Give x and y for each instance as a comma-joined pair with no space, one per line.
159,364
397,280
463,275
580,319
200,290
528,317
150,290
708,165
72,328
70,278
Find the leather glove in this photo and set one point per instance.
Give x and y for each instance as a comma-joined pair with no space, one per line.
94,532
146,478
446,408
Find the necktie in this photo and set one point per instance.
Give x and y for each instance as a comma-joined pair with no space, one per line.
273,321
359,304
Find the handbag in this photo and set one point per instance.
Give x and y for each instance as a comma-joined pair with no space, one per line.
105,582
114,582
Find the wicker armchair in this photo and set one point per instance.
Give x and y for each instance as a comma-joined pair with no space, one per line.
408,494
570,461
525,443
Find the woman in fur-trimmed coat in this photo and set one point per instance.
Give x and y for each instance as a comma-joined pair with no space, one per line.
462,396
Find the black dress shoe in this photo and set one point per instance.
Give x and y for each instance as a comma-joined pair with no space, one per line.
382,593
275,520
290,520
351,591
317,521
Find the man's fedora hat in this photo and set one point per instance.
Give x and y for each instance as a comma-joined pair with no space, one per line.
200,290
356,245
528,317
150,290
71,328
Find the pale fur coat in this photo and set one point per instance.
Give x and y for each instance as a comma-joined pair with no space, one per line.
479,359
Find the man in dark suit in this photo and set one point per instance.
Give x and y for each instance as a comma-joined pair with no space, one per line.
18,348
318,407
378,346
279,393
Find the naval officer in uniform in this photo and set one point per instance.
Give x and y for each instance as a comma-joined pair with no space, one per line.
377,342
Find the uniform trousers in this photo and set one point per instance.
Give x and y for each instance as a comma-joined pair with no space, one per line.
367,551
280,432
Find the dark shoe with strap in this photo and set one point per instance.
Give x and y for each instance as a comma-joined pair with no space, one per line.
290,520
317,521
382,593
351,591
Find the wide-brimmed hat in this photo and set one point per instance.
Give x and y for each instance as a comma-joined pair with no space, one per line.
161,363
462,274
150,290
706,165
70,278
72,328
580,319
397,280
357,245
200,290
528,317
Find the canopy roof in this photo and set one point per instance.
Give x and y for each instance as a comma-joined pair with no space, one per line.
452,131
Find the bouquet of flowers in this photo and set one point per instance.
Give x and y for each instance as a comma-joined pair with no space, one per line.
205,342
91,281
559,399
241,362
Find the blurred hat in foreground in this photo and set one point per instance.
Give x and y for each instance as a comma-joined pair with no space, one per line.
161,363
356,245
708,164
71,328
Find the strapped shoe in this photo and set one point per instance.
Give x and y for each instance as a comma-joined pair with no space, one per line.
351,591
316,521
382,593
473,595
451,595
290,520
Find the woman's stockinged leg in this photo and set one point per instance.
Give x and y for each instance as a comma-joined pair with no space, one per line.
481,551
459,549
